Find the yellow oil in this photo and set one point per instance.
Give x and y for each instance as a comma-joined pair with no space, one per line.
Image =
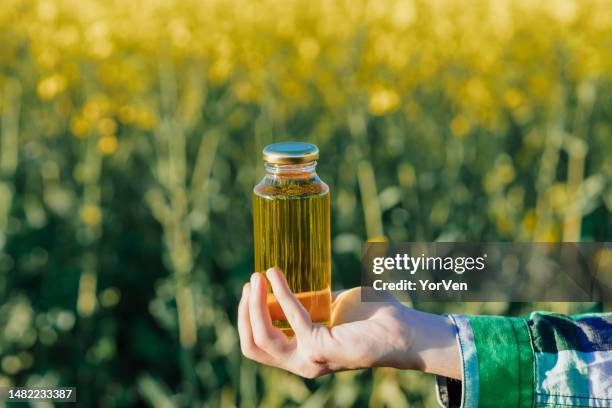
292,232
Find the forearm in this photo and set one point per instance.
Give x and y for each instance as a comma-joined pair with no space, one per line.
434,348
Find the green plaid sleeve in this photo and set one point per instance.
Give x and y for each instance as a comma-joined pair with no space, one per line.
546,360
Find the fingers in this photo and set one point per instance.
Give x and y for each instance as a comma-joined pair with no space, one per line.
267,337
247,344
262,342
295,313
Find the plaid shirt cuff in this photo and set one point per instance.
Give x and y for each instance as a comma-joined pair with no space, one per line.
496,354
546,360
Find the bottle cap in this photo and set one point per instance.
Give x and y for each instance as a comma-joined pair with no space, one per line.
290,153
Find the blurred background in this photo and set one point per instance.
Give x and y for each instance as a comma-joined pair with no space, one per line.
131,137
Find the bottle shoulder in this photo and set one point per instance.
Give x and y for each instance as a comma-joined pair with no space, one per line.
290,188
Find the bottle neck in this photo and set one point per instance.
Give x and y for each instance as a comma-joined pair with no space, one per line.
291,170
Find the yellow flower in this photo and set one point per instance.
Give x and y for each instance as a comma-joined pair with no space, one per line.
551,234
92,111
477,92
107,127
220,70
179,32
107,145
91,214
383,100
503,225
245,91
558,197
145,119
51,86
530,220
127,114
505,173
293,90
513,98
308,49
460,126
46,11
80,127
47,59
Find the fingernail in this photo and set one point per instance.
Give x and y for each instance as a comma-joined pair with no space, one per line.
245,288
270,270
254,279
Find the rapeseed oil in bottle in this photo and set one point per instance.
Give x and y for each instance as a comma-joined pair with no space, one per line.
292,228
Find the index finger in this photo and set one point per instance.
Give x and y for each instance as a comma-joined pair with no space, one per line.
266,336
296,314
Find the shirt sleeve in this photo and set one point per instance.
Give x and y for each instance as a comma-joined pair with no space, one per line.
542,361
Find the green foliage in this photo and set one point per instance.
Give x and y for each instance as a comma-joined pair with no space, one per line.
130,141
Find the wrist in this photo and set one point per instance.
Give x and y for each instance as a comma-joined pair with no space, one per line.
433,347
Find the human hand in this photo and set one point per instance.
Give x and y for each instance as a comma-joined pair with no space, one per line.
363,334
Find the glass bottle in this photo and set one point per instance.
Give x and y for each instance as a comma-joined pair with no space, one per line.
292,228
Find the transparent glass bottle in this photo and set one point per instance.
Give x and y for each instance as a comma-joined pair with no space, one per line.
292,228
